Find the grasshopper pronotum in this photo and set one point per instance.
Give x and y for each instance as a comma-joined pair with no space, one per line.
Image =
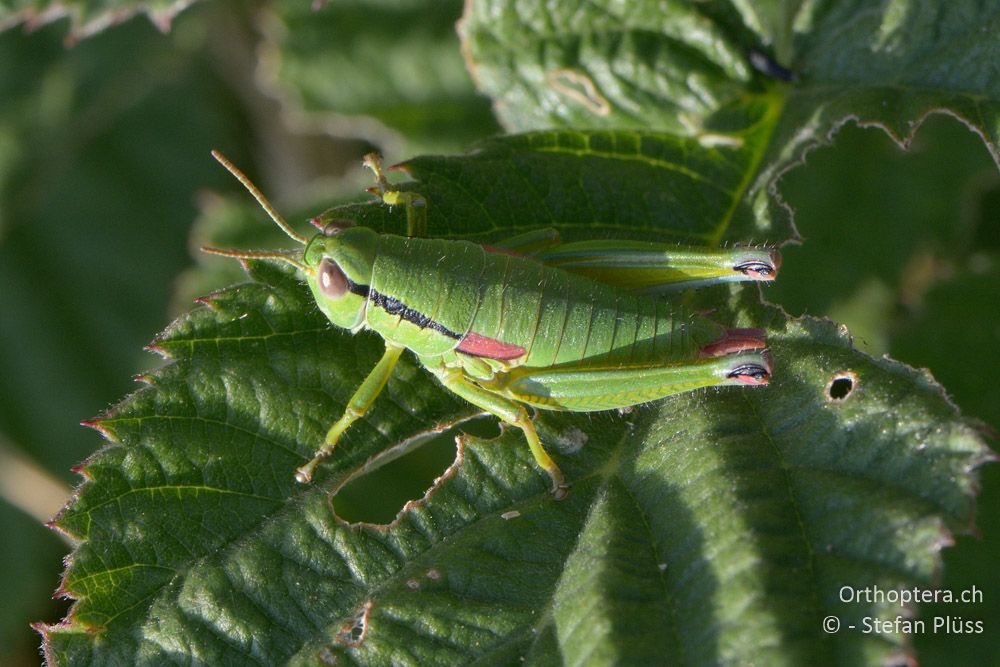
531,322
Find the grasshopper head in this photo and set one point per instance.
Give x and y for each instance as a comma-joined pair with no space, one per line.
339,264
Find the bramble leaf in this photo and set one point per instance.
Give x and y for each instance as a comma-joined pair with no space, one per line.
713,526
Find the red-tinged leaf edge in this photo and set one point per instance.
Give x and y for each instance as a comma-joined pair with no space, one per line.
97,423
82,27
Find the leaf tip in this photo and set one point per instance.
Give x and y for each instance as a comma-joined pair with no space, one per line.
208,300
94,423
156,347
44,629
100,425
61,592
71,538
987,432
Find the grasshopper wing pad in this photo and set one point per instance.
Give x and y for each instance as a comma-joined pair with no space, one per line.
480,346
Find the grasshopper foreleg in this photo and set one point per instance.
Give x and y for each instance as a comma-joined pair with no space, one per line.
362,399
509,411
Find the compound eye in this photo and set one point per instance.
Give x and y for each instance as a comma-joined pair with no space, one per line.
332,281
335,226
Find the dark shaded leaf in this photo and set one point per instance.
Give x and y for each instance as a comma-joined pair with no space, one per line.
379,70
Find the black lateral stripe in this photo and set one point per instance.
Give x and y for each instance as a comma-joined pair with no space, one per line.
396,307
354,288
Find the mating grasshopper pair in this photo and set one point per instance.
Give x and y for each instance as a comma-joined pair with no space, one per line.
530,322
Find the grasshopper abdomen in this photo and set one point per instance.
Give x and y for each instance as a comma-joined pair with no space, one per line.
438,296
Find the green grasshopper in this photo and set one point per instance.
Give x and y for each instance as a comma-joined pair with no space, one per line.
530,322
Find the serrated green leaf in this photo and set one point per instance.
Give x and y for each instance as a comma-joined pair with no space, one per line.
715,526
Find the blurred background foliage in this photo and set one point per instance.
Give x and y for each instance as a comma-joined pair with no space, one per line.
104,166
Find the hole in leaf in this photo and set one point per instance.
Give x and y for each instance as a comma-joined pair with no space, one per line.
376,496
841,385
352,633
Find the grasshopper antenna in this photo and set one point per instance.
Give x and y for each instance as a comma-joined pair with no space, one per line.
259,196
288,258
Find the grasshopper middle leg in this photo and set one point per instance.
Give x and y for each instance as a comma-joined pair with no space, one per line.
511,412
